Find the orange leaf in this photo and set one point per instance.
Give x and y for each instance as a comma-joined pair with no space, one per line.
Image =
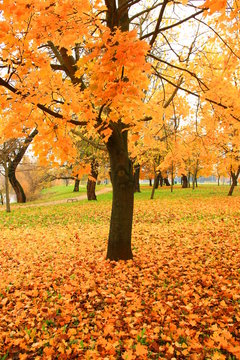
141,350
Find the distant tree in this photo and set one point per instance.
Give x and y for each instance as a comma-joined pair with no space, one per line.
91,67
14,160
6,150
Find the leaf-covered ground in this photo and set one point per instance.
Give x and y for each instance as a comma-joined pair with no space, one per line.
178,299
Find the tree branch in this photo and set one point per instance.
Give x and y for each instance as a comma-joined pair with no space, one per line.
67,64
194,94
179,68
42,107
155,33
168,102
144,12
97,146
173,25
8,86
219,36
58,67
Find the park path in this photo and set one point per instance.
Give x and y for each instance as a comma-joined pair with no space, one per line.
62,201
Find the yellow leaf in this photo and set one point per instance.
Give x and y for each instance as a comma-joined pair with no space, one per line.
141,350
218,356
171,350
22,356
128,355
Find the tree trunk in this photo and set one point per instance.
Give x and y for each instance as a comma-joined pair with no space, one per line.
172,178
231,190
184,181
91,190
21,197
157,180
193,182
218,180
188,180
136,178
166,181
7,194
150,182
6,185
1,197
119,240
234,178
161,180
76,185
92,180
17,187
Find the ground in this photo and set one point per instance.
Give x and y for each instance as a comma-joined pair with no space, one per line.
179,298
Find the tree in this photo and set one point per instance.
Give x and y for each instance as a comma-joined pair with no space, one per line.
92,180
1,195
88,67
234,176
14,160
5,150
19,147
137,169
90,151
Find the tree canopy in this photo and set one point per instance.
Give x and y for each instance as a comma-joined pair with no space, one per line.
115,68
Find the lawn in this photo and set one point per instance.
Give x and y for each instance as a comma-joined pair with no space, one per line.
61,192
179,298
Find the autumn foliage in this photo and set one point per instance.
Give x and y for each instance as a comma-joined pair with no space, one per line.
124,75
179,298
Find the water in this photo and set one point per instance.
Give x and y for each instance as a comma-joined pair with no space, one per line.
13,198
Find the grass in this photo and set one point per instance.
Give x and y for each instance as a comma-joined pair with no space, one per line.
60,192
85,211
64,192
202,191
178,297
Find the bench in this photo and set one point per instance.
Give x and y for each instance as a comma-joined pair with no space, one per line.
72,200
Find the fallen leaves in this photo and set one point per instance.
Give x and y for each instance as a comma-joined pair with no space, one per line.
178,298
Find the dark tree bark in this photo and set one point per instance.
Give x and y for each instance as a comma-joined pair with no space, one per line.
188,179
194,177
161,180
184,181
150,182
76,185
91,190
157,179
21,197
92,180
6,168
218,180
17,187
155,184
119,241
166,181
172,177
8,209
234,177
137,178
